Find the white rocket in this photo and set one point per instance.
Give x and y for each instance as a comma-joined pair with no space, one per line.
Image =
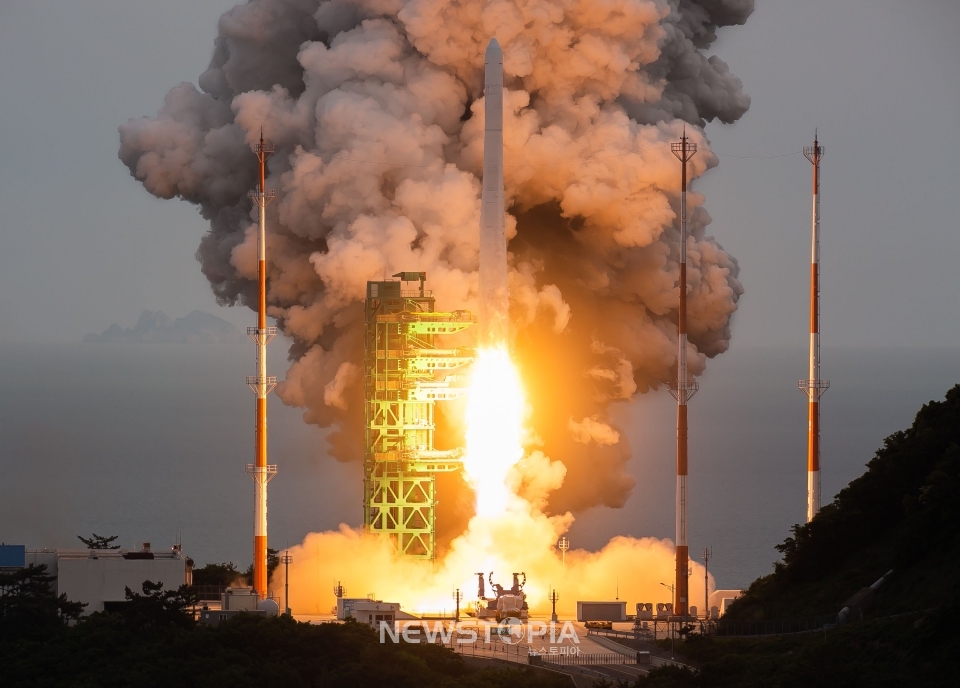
494,301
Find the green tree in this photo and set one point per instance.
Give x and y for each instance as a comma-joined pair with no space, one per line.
99,541
29,606
224,574
158,608
273,561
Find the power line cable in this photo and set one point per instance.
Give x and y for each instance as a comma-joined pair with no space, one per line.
572,160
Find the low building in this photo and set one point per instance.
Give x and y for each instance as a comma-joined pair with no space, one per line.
235,601
367,611
99,577
602,611
720,600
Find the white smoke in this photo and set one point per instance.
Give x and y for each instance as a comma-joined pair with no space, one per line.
375,109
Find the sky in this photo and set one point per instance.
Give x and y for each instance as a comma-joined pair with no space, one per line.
84,245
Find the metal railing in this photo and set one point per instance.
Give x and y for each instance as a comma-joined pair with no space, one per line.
207,592
519,654
582,659
736,628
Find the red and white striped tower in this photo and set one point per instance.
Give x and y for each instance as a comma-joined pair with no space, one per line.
685,387
262,385
813,386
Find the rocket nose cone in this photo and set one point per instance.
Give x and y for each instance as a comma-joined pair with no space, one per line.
493,52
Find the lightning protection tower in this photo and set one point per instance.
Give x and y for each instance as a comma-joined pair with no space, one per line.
405,374
813,386
685,387
261,384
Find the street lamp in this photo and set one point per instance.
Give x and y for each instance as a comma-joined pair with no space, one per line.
673,654
285,560
457,596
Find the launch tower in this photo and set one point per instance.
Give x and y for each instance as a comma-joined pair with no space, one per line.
405,374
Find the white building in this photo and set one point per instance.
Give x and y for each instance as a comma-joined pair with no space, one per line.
366,611
99,577
615,610
720,600
239,600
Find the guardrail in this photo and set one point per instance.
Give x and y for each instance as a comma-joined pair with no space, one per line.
582,659
511,653
734,628
207,592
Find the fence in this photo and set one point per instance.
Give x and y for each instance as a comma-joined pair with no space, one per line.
660,629
732,628
582,659
504,651
207,592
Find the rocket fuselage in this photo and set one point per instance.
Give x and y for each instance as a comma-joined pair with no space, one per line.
494,301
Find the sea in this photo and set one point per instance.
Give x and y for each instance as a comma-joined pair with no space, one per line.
149,442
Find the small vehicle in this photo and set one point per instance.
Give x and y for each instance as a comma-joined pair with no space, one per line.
607,625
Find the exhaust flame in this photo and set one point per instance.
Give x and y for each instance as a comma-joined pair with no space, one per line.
509,532
495,412
376,110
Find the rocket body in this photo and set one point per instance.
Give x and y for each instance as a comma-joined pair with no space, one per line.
494,301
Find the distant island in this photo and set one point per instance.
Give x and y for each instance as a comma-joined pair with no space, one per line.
196,327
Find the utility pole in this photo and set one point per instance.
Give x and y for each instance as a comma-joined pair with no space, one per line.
457,596
707,553
286,559
813,387
673,654
563,544
685,388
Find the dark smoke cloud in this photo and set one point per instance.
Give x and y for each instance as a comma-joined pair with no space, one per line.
375,109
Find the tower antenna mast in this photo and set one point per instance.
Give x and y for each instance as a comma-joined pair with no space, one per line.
261,384
685,387
813,386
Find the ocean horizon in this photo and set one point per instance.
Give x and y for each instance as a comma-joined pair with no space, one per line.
149,442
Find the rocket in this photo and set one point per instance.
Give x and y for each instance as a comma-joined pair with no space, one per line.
494,301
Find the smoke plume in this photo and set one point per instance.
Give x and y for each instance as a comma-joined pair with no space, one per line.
375,109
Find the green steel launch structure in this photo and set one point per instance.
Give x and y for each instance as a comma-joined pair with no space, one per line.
405,374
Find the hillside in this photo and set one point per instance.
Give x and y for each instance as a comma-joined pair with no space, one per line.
903,514
155,327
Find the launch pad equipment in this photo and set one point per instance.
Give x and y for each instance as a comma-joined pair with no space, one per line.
406,373
508,603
